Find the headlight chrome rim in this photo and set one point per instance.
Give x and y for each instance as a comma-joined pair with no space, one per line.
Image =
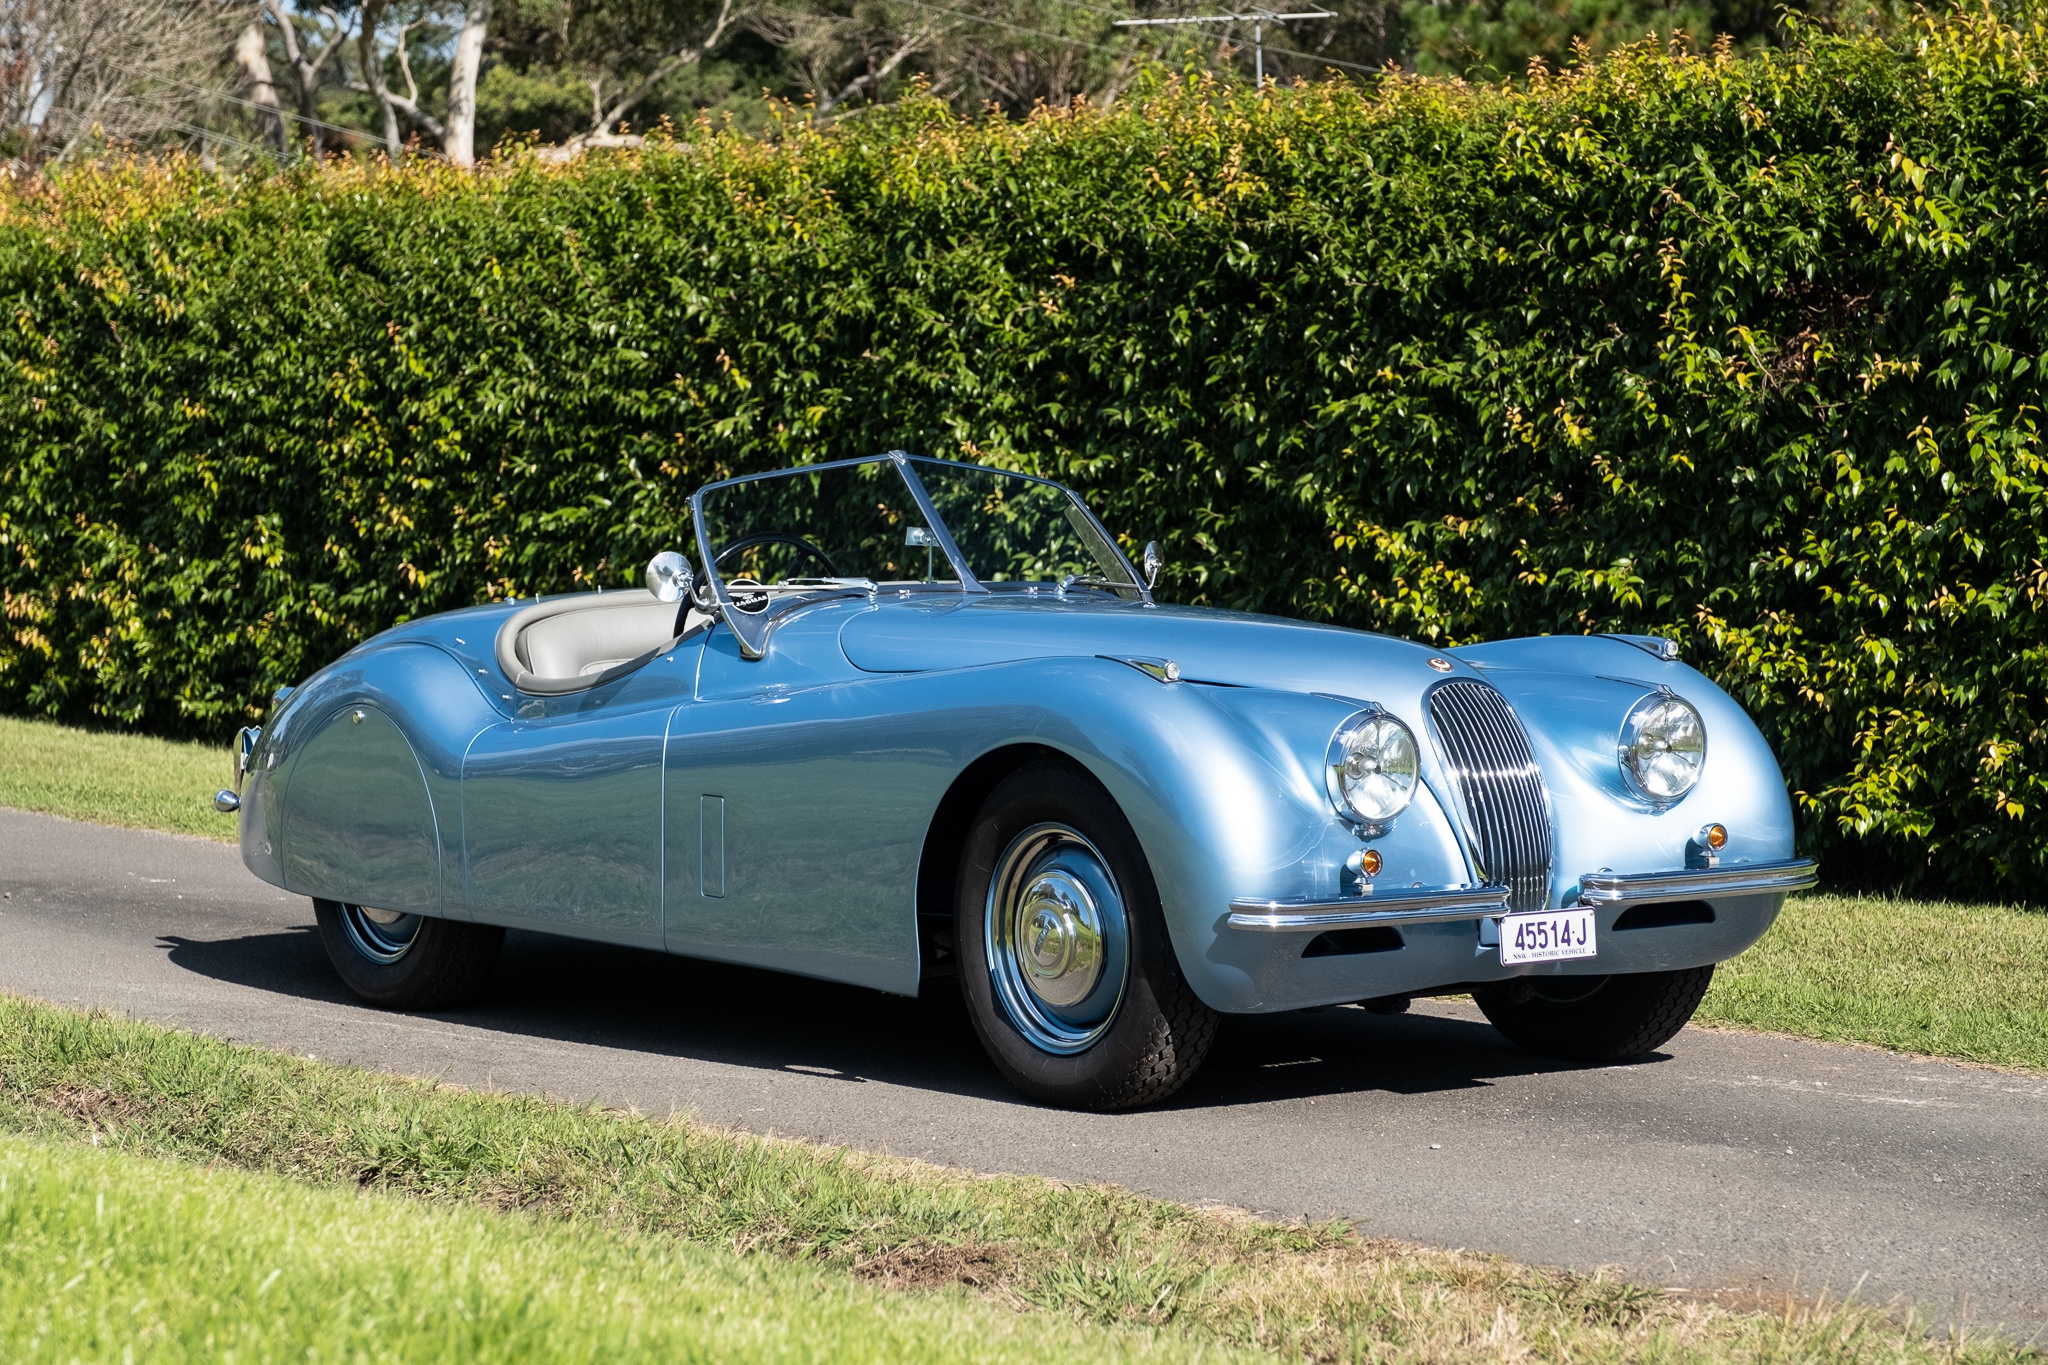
1662,749
1374,767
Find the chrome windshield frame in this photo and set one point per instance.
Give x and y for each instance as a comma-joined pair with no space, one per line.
968,582
752,629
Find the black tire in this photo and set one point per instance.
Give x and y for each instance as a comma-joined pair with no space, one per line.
1153,1036
415,962
1596,1018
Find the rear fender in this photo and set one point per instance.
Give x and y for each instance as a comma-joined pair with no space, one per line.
366,810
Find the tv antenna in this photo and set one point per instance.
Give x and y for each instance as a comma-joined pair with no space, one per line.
1258,21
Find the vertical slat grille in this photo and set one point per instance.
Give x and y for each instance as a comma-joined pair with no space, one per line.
1489,758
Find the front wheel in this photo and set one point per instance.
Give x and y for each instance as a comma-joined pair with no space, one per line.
1595,1018
407,962
1065,964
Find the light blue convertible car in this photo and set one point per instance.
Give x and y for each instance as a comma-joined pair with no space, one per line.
917,720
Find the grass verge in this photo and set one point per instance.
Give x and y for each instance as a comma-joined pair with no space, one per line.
113,779
106,1256
1916,976
1070,1257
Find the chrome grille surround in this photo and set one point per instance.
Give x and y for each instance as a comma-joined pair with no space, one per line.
1506,811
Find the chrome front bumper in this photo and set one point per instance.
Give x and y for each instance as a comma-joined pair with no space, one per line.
1444,904
1698,883
1402,905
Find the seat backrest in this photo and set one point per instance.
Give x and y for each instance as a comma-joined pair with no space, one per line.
568,644
580,644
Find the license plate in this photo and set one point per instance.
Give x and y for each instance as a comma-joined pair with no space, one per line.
1552,936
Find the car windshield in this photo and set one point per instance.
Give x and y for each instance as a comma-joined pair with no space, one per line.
834,521
1014,529
861,521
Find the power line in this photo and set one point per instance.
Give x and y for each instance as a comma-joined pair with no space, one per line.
1101,47
1284,51
277,109
216,136
1258,22
1014,28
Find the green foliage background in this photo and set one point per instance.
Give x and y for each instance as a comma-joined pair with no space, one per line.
1744,350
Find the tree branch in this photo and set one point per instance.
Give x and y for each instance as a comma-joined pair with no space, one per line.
373,76
666,69
410,108
873,79
306,73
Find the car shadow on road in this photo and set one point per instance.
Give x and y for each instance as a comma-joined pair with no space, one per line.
593,994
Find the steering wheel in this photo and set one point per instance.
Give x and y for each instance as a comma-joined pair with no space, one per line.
805,550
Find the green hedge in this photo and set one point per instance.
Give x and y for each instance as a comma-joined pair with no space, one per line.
1744,351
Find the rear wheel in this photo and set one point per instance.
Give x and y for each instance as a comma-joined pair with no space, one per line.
407,962
1595,1018
1065,964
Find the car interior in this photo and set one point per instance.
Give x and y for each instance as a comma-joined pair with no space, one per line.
572,644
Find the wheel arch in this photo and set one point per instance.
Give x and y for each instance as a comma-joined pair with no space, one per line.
938,864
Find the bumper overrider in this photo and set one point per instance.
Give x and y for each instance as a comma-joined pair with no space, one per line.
1445,904
228,800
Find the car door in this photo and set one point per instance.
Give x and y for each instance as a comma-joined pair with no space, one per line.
562,808
796,810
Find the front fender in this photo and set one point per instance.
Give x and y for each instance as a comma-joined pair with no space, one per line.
1224,789
1571,694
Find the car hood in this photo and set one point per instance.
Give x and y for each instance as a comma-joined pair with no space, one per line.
1231,648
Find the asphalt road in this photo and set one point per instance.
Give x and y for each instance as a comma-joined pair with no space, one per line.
1726,1161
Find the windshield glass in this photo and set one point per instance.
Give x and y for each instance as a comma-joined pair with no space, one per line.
1013,529
844,521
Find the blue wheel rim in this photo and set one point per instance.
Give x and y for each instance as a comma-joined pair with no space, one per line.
380,935
1056,936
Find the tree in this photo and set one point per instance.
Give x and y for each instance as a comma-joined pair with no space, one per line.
307,68
77,75
617,55
460,143
254,64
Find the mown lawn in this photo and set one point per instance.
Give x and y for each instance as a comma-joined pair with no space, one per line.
114,779
1932,977
185,1198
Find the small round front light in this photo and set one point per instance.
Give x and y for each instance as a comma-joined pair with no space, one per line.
1374,768
1663,748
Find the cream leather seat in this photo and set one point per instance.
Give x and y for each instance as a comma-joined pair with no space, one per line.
569,644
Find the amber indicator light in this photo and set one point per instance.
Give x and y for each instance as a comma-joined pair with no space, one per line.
1370,863
1715,837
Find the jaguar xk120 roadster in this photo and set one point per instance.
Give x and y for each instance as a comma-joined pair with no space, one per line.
918,720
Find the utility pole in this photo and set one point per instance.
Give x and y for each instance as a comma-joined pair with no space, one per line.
1258,20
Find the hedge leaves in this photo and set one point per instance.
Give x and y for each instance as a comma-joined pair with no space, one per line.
1745,351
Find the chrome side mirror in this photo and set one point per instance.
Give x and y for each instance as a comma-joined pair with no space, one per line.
669,577
1155,560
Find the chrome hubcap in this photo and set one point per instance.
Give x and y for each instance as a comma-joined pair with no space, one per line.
1057,940
379,935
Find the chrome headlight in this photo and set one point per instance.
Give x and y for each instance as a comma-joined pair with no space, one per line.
1663,748
1374,768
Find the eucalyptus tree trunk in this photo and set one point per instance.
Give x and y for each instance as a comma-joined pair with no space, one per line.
306,70
460,142
373,76
255,69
